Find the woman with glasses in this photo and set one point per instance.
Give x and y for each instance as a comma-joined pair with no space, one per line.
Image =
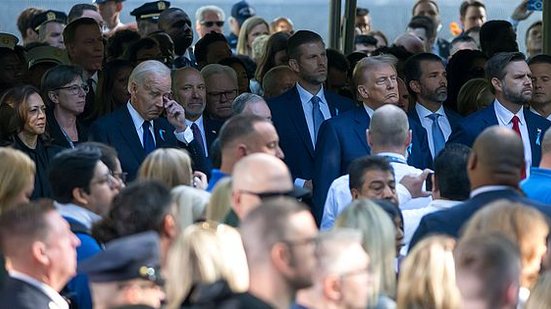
64,92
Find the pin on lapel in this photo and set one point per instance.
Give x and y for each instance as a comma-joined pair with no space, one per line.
162,134
538,137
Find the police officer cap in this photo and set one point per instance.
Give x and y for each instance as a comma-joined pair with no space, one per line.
46,54
105,1
48,16
8,40
150,10
127,258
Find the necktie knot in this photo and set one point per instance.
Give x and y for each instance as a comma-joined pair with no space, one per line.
515,120
315,100
434,116
146,125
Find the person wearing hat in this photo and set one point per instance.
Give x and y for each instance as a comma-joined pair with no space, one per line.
12,62
127,273
147,16
42,58
49,25
24,25
110,11
240,12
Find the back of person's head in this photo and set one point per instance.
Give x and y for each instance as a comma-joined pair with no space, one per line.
389,127
78,9
72,169
237,129
119,42
190,204
201,47
17,170
141,206
450,172
360,166
171,166
337,60
215,68
220,201
473,96
546,143
25,20
539,294
109,155
299,38
427,276
243,100
276,42
136,47
497,36
488,270
423,22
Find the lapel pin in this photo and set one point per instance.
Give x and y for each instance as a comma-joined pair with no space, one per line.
162,134
538,137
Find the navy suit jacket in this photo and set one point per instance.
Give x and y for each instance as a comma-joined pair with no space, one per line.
471,126
117,129
212,128
21,295
294,137
450,221
343,139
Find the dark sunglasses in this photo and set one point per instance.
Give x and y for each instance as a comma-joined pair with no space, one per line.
212,23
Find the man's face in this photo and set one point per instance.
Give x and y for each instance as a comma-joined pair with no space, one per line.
433,84
147,26
61,246
475,16
311,65
380,86
148,98
541,78
428,9
108,10
265,139
102,190
211,22
221,90
189,90
516,86
178,26
217,51
534,41
377,184
87,49
356,279
363,24
301,243
54,34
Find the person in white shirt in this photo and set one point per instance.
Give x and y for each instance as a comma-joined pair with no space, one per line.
540,104
40,252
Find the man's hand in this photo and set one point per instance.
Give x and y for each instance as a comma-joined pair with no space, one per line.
308,184
521,11
414,184
175,114
200,180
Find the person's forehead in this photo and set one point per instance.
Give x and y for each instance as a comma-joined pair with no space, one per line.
475,10
189,76
219,79
426,7
541,67
377,175
380,70
178,16
87,30
211,15
516,67
311,47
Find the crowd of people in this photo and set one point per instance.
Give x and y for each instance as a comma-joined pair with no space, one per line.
140,168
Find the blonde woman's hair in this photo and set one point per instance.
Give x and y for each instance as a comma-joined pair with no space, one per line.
204,253
242,41
427,276
190,204
540,298
259,47
379,241
16,170
171,166
220,201
474,95
516,221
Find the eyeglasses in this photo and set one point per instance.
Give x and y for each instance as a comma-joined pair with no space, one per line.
266,195
75,89
227,94
209,24
300,242
366,270
107,178
120,176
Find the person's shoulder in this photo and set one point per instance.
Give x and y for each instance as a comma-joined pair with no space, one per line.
275,102
19,294
536,120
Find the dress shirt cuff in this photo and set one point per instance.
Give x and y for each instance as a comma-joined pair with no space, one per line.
185,136
299,182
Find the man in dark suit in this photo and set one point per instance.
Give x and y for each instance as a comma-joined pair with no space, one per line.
298,113
510,79
494,168
137,129
426,80
343,138
42,253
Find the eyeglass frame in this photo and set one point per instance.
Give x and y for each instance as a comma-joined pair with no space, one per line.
74,89
267,195
208,24
218,95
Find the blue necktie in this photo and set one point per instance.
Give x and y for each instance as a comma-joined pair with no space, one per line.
148,142
437,136
198,137
317,116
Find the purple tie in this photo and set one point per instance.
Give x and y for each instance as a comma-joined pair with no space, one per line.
197,136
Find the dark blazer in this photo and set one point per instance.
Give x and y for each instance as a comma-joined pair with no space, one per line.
450,221
294,137
18,294
471,126
453,118
117,129
343,139
212,128
56,134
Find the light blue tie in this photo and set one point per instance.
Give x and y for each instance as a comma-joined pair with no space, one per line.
317,116
437,136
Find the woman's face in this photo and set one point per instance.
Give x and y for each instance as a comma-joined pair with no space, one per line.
72,96
35,115
25,195
255,32
242,79
120,86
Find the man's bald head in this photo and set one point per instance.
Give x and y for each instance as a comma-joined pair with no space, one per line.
497,158
389,127
546,143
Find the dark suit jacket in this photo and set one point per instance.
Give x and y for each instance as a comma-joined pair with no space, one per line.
294,138
471,126
450,221
343,139
212,128
17,294
118,130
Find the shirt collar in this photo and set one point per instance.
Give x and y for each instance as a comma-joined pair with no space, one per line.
392,155
485,189
369,110
52,294
80,214
504,116
136,117
306,96
537,113
423,112
443,204
199,122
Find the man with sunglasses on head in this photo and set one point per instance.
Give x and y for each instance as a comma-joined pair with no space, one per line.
209,18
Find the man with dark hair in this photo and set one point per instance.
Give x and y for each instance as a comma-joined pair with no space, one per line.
538,185
498,36
82,198
25,25
177,24
298,113
425,77
365,43
511,82
210,49
362,23
279,239
472,13
49,26
110,11
540,104
41,251
372,177
337,70
85,10
423,27
429,8
534,39
488,269
461,42
494,167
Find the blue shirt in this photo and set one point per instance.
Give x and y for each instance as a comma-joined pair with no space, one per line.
215,176
538,186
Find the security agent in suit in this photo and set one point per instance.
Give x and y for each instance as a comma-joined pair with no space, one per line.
298,113
510,80
138,128
41,251
426,80
127,273
494,168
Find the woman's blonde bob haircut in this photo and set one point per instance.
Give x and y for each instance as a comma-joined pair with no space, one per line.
171,166
16,171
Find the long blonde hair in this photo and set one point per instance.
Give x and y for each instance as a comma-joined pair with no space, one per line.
16,171
170,166
220,200
190,204
243,47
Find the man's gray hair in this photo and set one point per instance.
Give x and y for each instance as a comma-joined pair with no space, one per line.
243,100
215,68
199,14
142,70
368,63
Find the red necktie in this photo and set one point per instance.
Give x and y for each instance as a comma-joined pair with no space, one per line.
516,128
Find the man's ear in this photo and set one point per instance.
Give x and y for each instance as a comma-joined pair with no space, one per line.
293,64
355,193
497,84
415,86
362,91
38,251
281,258
132,88
170,227
332,288
79,196
472,162
119,6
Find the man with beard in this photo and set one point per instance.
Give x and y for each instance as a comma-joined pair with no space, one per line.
540,104
177,24
427,83
511,82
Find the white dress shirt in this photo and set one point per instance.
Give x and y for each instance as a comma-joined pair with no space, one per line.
57,301
307,107
80,214
504,119
426,122
199,122
537,113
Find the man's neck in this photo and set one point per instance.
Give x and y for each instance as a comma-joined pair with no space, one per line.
271,290
311,88
543,109
430,105
545,162
192,118
510,106
375,150
111,24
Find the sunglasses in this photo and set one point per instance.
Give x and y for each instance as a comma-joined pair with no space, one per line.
212,23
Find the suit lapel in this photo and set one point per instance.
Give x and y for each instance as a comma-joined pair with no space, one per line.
361,123
535,134
129,134
211,130
489,115
298,118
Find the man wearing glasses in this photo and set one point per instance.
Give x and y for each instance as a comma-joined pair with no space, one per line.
221,86
208,19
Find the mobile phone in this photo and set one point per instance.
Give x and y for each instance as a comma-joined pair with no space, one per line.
535,5
428,182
